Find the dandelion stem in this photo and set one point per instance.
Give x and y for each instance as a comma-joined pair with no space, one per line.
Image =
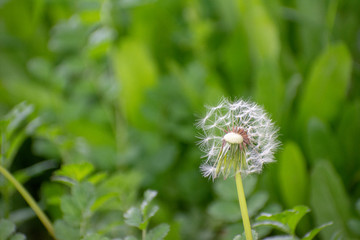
243,207
25,194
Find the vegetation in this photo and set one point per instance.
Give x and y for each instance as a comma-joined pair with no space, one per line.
99,100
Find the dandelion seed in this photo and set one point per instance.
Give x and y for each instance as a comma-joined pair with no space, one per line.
237,137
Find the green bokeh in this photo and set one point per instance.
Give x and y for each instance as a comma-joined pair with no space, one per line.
120,85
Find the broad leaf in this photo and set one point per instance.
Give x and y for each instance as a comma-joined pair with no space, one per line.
6,229
325,89
75,171
225,210
292,175
310,235
285,221
133,217
64,231
158,233
329,200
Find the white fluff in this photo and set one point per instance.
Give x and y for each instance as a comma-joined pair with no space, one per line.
241,114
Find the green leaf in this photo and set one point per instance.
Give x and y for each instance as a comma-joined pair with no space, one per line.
275,224
292,175
149,195
256,202
225,210
13,128
18,236
264,42
71,210
133,217
354,226
357,206
226,188
78,205
124,185
349,131
128,58
6,229
310,235
285,221
329,200
25,174
75,171
64,231
325,89
84,195
95,237
158,233
322,143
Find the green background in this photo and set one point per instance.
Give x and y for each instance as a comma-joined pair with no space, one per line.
120,84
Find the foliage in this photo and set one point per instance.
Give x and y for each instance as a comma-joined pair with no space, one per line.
7,231
98,100
140,217
287,222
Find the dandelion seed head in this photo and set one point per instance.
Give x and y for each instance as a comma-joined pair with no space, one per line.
236,136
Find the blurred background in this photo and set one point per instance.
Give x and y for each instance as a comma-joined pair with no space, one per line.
113,88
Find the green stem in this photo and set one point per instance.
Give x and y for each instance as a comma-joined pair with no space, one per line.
143,234
41,215
243,207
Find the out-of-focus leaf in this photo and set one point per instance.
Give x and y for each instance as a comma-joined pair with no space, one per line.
125,187
68,36
159,232
292,175
349,132
100,42
225,210
77,206
312,27
27,173
325,88
265,48
357,206
261,30
285,221
13,128
310,235
226,189
329,200
64,231
95,237
149,195
133,217
6,229
323,144
18,236
131,56
146,210
354,226
75,171
256,202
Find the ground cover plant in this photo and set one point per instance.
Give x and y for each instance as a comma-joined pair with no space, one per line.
99,101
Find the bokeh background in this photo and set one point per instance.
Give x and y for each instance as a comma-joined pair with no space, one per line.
116,86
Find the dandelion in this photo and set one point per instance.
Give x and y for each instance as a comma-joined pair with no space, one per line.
237,138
